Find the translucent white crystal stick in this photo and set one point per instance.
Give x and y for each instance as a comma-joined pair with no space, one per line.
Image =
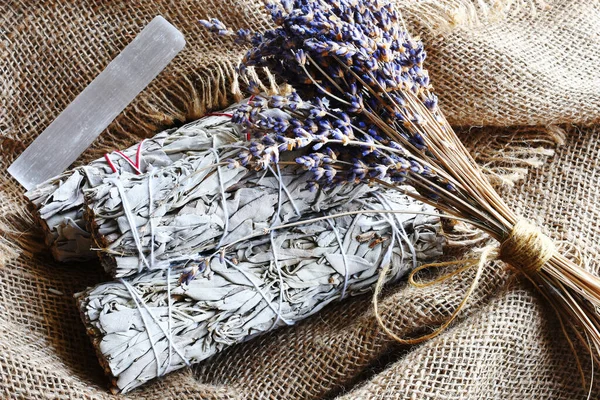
99,104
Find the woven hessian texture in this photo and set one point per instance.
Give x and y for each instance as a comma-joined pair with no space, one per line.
523,66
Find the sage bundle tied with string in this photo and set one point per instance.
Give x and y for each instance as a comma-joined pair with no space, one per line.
167,217
159,321
58,203
353,63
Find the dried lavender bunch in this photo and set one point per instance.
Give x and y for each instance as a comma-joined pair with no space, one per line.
350,64
58,202
355,63
156,322
195,205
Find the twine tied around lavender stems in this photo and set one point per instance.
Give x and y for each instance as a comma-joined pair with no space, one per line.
526,248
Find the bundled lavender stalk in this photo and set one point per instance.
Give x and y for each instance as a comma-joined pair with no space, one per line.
194,205
159,321
58,202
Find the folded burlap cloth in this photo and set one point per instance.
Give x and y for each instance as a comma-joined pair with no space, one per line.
511,63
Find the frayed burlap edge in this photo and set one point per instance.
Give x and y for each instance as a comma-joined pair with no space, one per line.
444,16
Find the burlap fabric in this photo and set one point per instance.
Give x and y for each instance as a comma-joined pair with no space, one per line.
497,65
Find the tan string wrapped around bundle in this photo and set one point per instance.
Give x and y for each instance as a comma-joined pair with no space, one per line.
526,248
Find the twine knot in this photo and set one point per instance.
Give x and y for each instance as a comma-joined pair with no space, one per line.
526,247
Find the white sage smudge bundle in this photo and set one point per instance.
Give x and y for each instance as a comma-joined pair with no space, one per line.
58,202
156,322
187,208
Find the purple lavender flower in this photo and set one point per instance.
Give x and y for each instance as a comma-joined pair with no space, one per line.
192,269
350,64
